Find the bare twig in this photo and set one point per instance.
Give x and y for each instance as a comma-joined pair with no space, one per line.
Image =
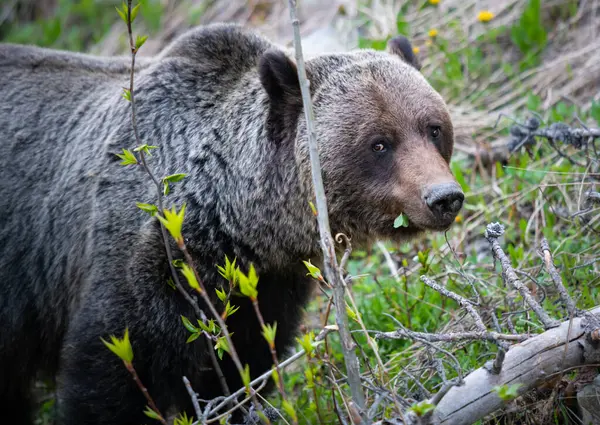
464,303
450,336
435,400
145,392
425,338
193,396
233,408
496,365
492,233
330,260
562,291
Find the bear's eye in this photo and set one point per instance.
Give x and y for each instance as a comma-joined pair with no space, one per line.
435,132
379,145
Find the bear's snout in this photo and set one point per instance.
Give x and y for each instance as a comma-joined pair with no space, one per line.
445,201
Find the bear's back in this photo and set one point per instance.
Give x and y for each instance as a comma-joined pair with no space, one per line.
62,119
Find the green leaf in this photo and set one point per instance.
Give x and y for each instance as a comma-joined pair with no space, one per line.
269,332
289,409
152,414
173,221
182,419
263,418
422,408
248,283
229,271
122,13
221,294
401,221
310,381
174,178
188,325
246,376
351,313
135,11
275,375
313,270
171,283
128,157
121,347
190,276
145,148
193,337
149,208
229,310
211,328
306,342
139,41
126,95
507,392
222,345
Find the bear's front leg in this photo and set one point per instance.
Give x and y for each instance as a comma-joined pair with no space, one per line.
94,386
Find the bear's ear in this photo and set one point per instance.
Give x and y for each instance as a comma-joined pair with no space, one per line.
400,46
279,77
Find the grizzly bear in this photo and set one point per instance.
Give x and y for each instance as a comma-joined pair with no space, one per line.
80,262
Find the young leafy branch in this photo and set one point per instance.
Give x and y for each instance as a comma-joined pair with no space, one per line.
172,220
121,347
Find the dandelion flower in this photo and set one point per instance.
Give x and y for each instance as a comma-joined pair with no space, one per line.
433,33
485,16
416,50
434,2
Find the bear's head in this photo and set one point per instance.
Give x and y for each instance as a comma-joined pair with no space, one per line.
385,138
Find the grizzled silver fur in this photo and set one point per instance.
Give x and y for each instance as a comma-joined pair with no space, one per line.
79,261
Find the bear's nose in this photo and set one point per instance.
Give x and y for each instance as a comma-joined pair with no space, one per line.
445,200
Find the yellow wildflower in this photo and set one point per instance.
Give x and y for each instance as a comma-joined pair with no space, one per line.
485,16
433,33
458,219
416,50
434,2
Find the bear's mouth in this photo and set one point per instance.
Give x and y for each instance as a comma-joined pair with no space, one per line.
414,226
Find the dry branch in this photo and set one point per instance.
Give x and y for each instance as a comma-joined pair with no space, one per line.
530,363
564,294
329,256
492,233
450,336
